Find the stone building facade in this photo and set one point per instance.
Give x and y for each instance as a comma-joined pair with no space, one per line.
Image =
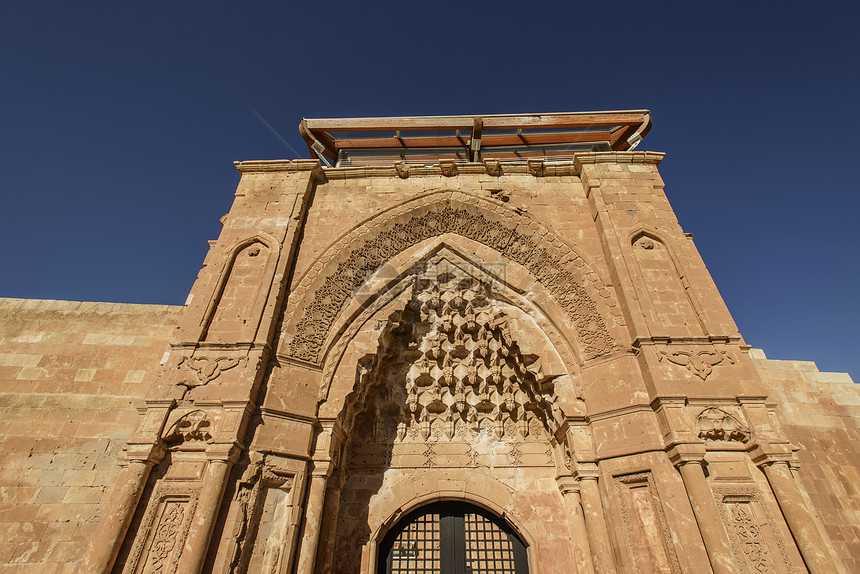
475,364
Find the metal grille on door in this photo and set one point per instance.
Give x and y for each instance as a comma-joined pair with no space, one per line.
452,538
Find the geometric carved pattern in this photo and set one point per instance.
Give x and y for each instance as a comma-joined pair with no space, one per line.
748,522
448,365
365,259
749,534
164,542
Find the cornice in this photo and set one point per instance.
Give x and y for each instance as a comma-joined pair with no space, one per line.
618,157
537,168
453,169
276,165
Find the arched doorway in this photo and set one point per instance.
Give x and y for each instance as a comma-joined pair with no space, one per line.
452,538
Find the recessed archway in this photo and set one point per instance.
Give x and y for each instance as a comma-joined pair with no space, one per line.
452,537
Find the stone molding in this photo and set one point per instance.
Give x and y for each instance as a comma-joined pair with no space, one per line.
276,165
618,157
537,168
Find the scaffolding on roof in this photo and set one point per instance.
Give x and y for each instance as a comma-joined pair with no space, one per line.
508,137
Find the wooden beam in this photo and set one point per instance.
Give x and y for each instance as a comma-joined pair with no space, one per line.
486,141
577,119
391,124
561,121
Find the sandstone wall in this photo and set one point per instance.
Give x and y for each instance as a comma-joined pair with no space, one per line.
70,375
820,413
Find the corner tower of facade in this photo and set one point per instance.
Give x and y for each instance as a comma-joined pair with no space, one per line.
472,344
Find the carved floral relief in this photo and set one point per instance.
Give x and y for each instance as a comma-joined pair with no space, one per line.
700,363
199,371
717,424
191,427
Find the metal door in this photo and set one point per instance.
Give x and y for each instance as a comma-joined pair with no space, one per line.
452,538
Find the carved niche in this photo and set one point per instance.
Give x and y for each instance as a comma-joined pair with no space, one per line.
649,542
262,521
232,318
755,542
449,369
670,309
166,522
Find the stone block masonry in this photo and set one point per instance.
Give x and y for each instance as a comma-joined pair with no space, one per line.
522,364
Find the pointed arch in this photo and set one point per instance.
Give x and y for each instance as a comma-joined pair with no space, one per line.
658,271
335,278
233,320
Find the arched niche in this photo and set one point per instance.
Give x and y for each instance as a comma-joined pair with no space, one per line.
335,279
452,536
545,534
663,288
247,271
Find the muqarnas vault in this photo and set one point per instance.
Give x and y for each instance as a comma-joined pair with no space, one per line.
462,344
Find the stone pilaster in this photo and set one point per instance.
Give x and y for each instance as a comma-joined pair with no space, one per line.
812,545
689,460
570,490
595,520
220,461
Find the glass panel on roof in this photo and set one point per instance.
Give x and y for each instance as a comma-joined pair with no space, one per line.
347,135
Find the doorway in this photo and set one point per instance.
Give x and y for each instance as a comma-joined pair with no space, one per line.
452,538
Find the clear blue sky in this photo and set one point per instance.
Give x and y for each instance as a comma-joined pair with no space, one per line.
120,123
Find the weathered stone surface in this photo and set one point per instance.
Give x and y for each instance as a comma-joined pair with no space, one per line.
538,340
71,377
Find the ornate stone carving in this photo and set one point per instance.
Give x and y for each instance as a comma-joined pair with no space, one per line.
748,522
199,371
168,518
259,526
448,167
449,370
536,167
366,258
717,424
193,426
700,363
164,541
493,167
749,534
402,169
245,500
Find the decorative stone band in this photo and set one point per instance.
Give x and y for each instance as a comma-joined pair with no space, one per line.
491,167
543,259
